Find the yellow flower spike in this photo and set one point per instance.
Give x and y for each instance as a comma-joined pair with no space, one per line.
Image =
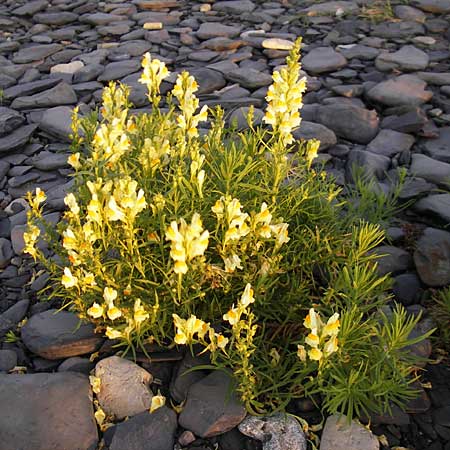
247,296
331,346
95,311
180,338
313,339
68,280
315,354
332,326
112,333
93,210
157,401
96,384
109,295
71,202
74,161
301,352
232,316
113,312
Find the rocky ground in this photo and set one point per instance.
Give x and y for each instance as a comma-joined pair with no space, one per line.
378,95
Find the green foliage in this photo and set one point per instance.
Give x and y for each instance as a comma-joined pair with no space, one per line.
440,312
368,201
226,240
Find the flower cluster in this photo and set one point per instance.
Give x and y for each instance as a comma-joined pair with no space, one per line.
284,97
322,338
187,242
193,330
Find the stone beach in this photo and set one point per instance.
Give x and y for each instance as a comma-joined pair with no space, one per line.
378,95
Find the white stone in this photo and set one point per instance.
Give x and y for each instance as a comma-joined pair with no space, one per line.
71,67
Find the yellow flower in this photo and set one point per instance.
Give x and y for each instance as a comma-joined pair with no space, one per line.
113,212
96,383
68,280
93,210
232,263
109,294
218,208
113,312
180,338
30,238
331,346
332,326
301,352
247,296
95,311
281,232
180,267
313,339
157,401
70,241
140,315
312,320
153,74
74,161
100,416
264,216
312,149
232,316
71,202
39,197
222,341
315,354
112,333
89,279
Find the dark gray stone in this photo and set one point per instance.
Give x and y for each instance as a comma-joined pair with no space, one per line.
35,53
323,59
436,206
212,407
249,78
10,120
17,139
55,335
349,122
8,360
12,316
432,257
403,90
57,122
439,148
210,30
119,69
407,288
392,260
155,431
61,94
408,58
6,252
430,169
372,165
56,18
389,143
311,130
47,411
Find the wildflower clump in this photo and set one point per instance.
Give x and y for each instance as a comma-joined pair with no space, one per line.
234,245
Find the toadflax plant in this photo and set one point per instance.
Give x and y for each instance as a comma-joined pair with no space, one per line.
230,242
